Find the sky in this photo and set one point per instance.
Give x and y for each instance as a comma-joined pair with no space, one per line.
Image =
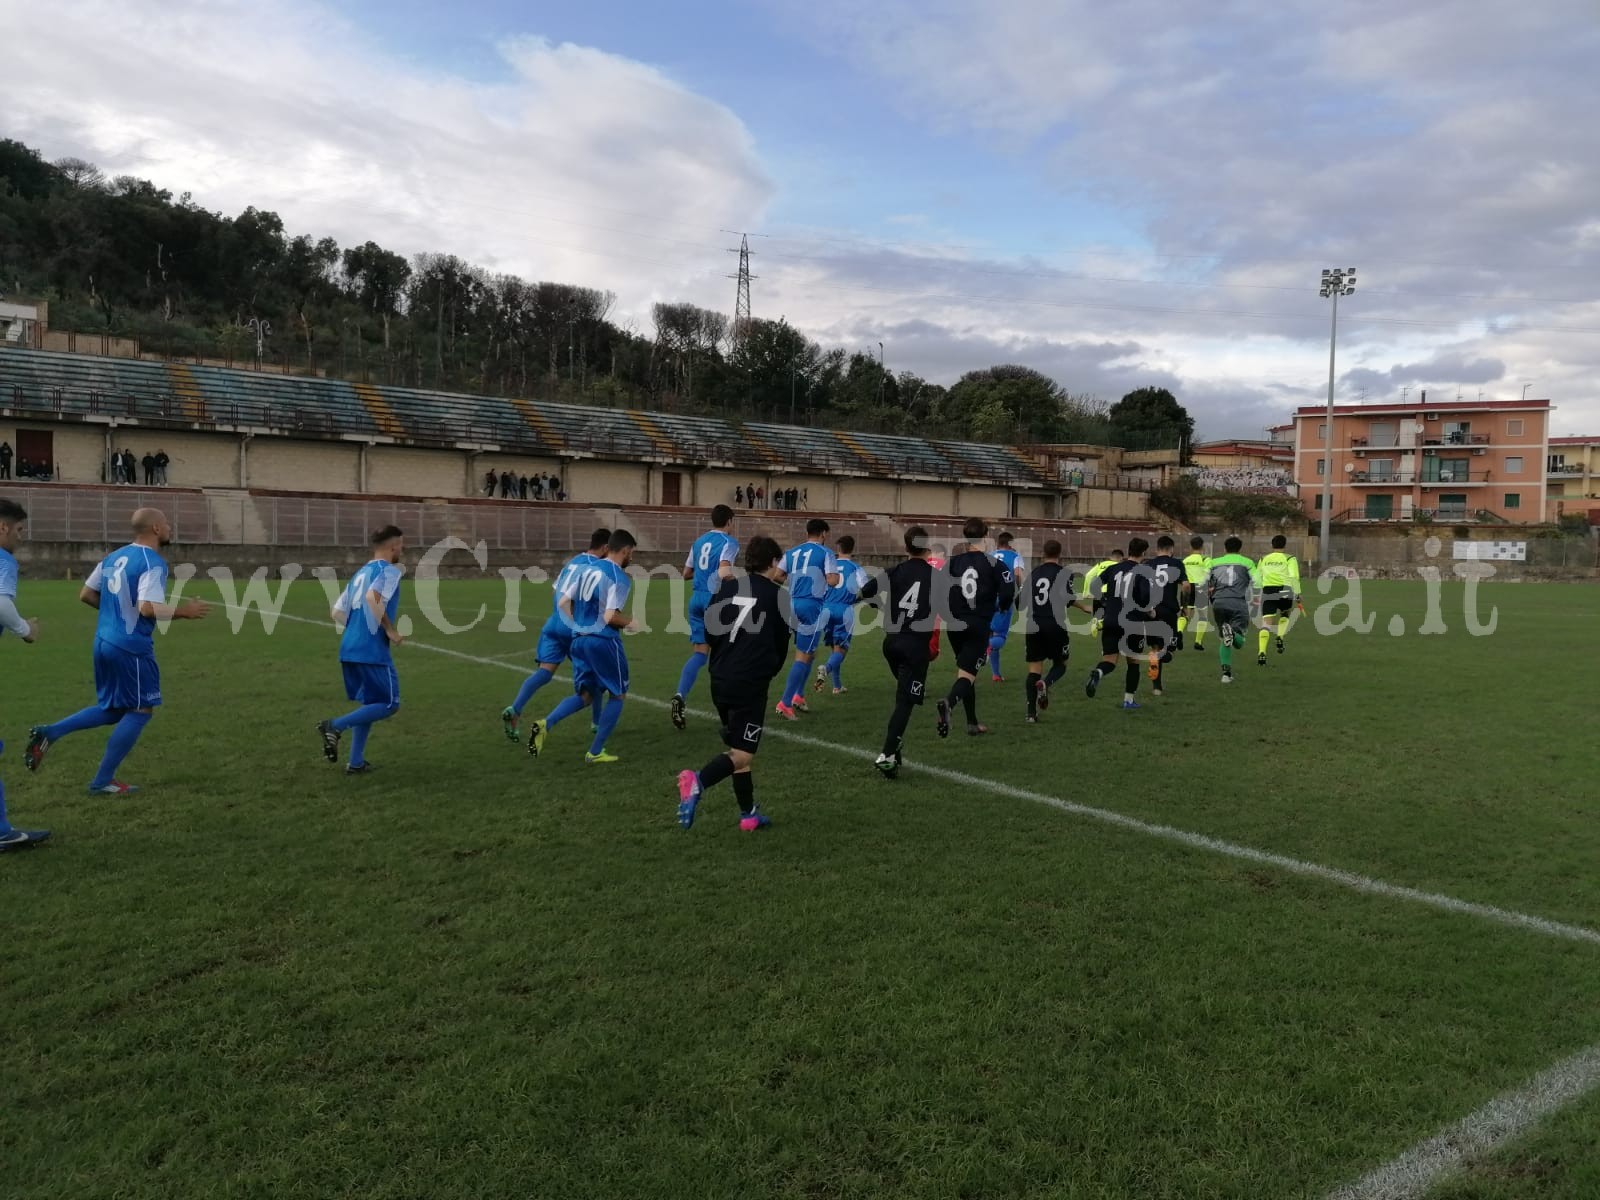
1129,195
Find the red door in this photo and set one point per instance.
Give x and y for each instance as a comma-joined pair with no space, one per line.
672,488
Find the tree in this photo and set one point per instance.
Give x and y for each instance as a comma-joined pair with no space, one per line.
1005,401
377,279
1151,418
80,173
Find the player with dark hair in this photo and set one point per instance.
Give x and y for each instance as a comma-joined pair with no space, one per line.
555,637
1228,585
1091,584
710,562
593,601
1049,597
366,612
811,570
1000,627
12,515
1196,566
974,587
1278,573
1126,601
1167,581
748,632
904,595
840,605
128,590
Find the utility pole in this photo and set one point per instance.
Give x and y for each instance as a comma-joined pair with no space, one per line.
1337,282
741,301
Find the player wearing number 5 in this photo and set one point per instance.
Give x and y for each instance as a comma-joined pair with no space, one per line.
811,570
128,588
710,563
748,633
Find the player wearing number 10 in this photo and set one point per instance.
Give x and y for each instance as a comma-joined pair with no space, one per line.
128,589
710,562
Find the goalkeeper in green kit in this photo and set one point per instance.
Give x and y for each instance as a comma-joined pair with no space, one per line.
1228,585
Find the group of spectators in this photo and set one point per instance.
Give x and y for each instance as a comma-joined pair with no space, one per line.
26,468
125,467
753,496
1242,479
511,486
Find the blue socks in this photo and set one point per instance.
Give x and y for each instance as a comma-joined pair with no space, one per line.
795,684
609,716
691,672
123,739
994,655
5,825
569,706
365,715
358,744
530,685
89,718
834,665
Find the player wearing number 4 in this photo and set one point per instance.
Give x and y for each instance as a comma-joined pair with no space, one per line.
748,634
12,515
128,589
811,570
709,564
905,597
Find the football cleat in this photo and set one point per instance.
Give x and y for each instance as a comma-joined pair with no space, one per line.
330,740
787,713
1157,692
1261,659
1030,720
754,820
1093,685
977,730
1227,675
19,839
888,766
821,680
679,719
688,797
536,734
1041,694
37,745
365,768
1130,705
1178,642
115,788
602,757
799,703
1280,645
942,721
508,722
997,679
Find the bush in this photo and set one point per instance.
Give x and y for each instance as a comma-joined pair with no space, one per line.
1246,510
1181,499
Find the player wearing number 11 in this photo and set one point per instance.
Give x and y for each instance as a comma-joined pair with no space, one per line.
128,590
811,570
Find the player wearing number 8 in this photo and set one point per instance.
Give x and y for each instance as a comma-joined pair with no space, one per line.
710,562
128,590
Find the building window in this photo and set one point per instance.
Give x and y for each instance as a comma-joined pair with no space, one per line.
1322,432
1514,465
1380,468
1445,470
1318,505
1513,499
1514,427
1322,466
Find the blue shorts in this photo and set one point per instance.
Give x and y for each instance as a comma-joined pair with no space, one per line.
124,679
698,603
555,641
599,665
371,683
841,627
810,620
1000,627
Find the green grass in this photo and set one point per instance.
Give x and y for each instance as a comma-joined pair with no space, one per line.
477,975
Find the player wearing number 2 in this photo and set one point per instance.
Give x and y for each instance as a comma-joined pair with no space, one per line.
811,570
710,563
128,589
746,628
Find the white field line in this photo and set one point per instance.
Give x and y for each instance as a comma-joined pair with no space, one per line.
1167,833
1508,1116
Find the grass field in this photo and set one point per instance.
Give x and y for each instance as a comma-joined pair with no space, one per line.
479,975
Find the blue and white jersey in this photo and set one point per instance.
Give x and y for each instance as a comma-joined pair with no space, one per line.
566,575
852,578
808,565
364,640
126,579
706,556
8,592
1010,560
594,591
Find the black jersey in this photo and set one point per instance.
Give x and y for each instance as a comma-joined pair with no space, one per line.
747,627
1049,595
905,594
979,588
1127,593
1167,575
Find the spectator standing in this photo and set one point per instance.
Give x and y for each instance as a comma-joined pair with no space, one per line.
161,467
738,492
5,460
761,497
555,487
130,466
148,462
488,483
750,495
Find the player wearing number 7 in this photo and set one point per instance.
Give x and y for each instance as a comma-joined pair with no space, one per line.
128,589
709,564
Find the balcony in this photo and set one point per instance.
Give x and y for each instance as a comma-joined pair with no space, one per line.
1565,469
1388,441
1383,478
1456,439
1453,478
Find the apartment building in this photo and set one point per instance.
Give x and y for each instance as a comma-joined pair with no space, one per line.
1572,475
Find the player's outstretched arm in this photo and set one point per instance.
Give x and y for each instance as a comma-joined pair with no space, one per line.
187,610
11,619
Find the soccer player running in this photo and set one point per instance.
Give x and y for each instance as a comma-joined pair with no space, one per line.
710,563
839,603
128,588
1126,596
593,601
366,611
1049,597
748,634
1279,574
12,515
1000,627
1167,576
555,638
978,587
1228,587
1091,585
811,570
905,598
1196,567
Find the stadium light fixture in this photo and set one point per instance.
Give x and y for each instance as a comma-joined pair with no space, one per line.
1335,282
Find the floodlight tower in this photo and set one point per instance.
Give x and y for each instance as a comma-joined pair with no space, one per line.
1339,281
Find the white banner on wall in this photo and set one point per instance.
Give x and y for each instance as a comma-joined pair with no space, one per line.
1490,551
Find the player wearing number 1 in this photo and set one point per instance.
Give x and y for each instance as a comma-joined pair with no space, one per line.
710,563
1228,586
748,633
128,590
905,597
811,570
978,587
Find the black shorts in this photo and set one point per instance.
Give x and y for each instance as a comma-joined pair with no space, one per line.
1045,646
969,645
743,713
1278,600
907,656
1137,637
1186,595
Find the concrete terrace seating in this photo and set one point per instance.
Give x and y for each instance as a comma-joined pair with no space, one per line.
281,401
597,430
912,456
985,461
708,439
816,449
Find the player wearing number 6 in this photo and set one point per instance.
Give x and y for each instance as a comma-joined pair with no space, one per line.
748,632
811,570
709,564
128,589
979,588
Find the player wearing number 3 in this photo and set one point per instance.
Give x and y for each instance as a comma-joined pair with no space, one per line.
128,589
710,563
